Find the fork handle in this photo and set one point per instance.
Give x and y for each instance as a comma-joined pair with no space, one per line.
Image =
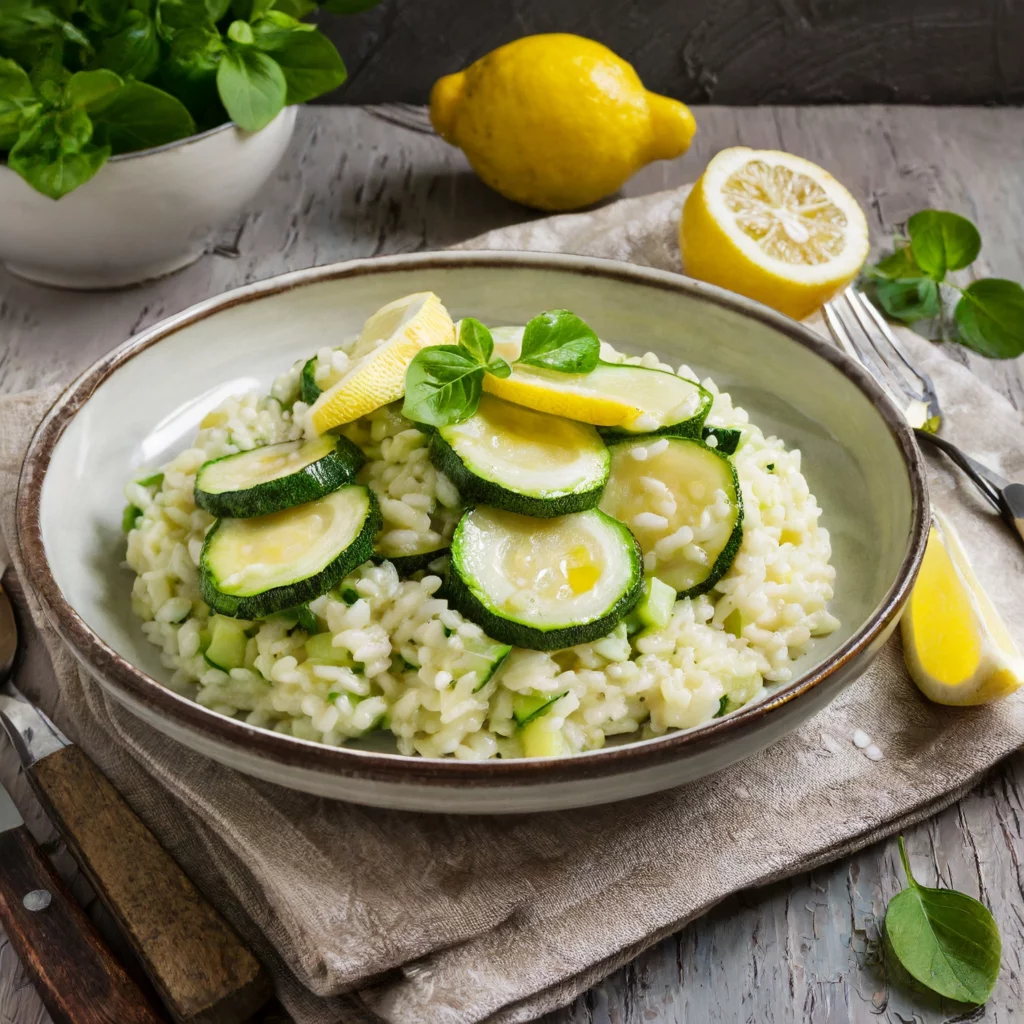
1013,499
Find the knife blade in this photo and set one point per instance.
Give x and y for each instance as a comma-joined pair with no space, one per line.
198,964
77,978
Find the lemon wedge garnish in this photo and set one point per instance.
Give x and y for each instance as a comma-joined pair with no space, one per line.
957,648
385,348
774,227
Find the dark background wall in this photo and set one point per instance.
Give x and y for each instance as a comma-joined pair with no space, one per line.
721,51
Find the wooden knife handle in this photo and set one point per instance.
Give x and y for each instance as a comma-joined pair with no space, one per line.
197,962
78,979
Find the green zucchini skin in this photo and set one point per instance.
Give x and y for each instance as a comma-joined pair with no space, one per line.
406,565
337,468
277,599
728,438
461,596
309,390
687,428
477,491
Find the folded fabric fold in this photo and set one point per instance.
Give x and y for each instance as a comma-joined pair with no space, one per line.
368,914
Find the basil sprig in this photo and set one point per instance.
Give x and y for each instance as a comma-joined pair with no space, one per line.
946,940
162,70
911,285
443,383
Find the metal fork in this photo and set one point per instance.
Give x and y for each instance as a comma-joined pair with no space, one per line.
862,333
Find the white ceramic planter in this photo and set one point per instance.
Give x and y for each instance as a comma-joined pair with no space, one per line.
144,214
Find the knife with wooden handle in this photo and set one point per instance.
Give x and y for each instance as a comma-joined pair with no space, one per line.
75,974
198,964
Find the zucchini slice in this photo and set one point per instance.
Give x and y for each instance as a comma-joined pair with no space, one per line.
543,584
682,501
728,439
276,476
406,564
309,389
252,568
510,457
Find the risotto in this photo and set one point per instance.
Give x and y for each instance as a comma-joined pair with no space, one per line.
399,656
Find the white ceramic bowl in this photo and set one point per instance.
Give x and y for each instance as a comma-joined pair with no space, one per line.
144,214
138,406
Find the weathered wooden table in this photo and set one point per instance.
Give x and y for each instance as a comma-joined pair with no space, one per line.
356,183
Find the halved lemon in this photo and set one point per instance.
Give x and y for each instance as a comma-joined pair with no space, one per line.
957,648
774,227
386,346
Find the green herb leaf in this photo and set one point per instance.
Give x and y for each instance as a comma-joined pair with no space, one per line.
92,90
442,385
18,102
499,368
106,14
141,116
348,6
133,51
173,16
241,32
946,940
31,32
899,264
252,88
476,339
311,64
296,8
560,340
942,241
189,72
990,318
909,300
55,153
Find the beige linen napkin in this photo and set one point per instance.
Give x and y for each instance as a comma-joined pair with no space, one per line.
421,919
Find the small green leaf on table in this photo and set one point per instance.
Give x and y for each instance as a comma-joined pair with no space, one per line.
941,241
990,318
944,939
252,87
899,265
560,340
909,300
442,385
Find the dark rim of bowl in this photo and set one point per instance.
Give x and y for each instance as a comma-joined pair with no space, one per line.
137,686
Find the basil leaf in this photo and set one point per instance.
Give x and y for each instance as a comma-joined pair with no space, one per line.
91,90
348,6
105,13
250,10
942,241
18,102
475,339
946,940
499,368
241,32
173,16
990,318
296,8
252,88
311,64
141,116
189,72
900,264
133,51
560,340
909,300
31,32
442,385
55,154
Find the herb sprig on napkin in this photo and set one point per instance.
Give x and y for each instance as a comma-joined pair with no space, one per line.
912,285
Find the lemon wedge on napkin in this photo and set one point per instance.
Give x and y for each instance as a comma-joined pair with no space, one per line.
957,648
387,345
774,227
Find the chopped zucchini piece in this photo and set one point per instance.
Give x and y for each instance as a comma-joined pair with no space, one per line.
129,517
540,740
543,584
309,389
226,649
252,568
728,439
151,481
734,622
682,501
406,565
655,607
511,457
276,476
320,647
484,657
526,707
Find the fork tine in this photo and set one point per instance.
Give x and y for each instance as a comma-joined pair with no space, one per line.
879,342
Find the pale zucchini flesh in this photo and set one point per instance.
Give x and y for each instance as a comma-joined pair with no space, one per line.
274,477
682,502
543,584
520,460
252,568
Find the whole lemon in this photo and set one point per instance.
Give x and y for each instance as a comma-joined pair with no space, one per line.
557,121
